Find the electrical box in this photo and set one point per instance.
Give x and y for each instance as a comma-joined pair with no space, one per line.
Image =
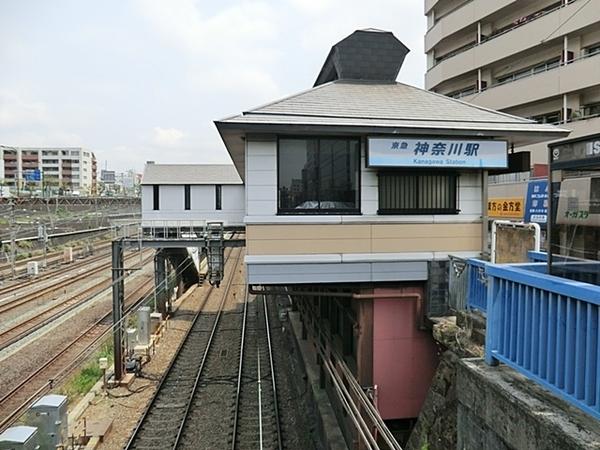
33,268
131,334
19,438
49,415
143,325
68,255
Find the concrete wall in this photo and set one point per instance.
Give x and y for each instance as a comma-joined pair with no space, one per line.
499,409
202,198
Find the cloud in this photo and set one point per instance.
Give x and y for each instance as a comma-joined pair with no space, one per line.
16,110
167,137
231,48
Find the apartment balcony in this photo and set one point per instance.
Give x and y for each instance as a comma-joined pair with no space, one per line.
563,21
429,4
467,14
580,74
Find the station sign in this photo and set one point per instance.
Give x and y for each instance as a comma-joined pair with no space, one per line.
580,151
536,204
506,207
435,152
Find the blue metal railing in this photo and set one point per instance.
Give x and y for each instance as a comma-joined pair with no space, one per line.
537,256
476,287
546,328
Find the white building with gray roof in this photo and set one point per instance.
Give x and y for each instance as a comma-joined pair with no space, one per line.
357,192
191,194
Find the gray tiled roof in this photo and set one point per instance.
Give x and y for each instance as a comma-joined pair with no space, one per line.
190,174
367,107
362,103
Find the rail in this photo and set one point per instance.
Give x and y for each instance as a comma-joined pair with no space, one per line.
180,229
548,329
95,333
177,383
273,379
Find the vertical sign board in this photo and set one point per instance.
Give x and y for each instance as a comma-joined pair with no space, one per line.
536,205
436,152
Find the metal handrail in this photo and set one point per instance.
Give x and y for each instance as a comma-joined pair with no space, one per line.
501,33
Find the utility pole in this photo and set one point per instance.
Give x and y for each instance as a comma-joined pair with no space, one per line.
43,239
13,239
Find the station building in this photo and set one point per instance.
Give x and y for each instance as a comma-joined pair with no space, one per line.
189,194
356,192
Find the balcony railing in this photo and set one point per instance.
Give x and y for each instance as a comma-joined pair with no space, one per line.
517,24
546,328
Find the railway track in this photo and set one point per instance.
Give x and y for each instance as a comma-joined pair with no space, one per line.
62,364
163,424
28,326
53,259
12,288
256,422
234,377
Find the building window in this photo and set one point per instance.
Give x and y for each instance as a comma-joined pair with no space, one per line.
592,50
318,176
186,197
418,193
551,117
156,198
218,197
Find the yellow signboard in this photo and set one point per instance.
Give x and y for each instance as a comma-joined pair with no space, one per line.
506,207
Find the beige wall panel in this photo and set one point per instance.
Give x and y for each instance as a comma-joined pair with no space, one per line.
307,246
429,244
430,230
374,238
313,232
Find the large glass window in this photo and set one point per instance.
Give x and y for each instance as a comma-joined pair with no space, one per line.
417,193
319,175
576,225
575,219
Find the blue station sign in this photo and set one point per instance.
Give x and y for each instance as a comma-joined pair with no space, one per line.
435,152
536,202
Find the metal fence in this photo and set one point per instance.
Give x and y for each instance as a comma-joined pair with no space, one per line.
477,285
547,328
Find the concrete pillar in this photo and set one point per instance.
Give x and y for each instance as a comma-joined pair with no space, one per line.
160,281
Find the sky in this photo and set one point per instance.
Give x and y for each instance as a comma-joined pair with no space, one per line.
139,80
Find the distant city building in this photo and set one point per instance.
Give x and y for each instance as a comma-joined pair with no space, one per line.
122,183
536,59
107,176
68,170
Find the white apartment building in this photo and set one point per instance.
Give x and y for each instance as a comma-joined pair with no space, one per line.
538,59
70,169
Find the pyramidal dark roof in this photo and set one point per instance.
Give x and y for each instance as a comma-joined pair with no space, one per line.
368,54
